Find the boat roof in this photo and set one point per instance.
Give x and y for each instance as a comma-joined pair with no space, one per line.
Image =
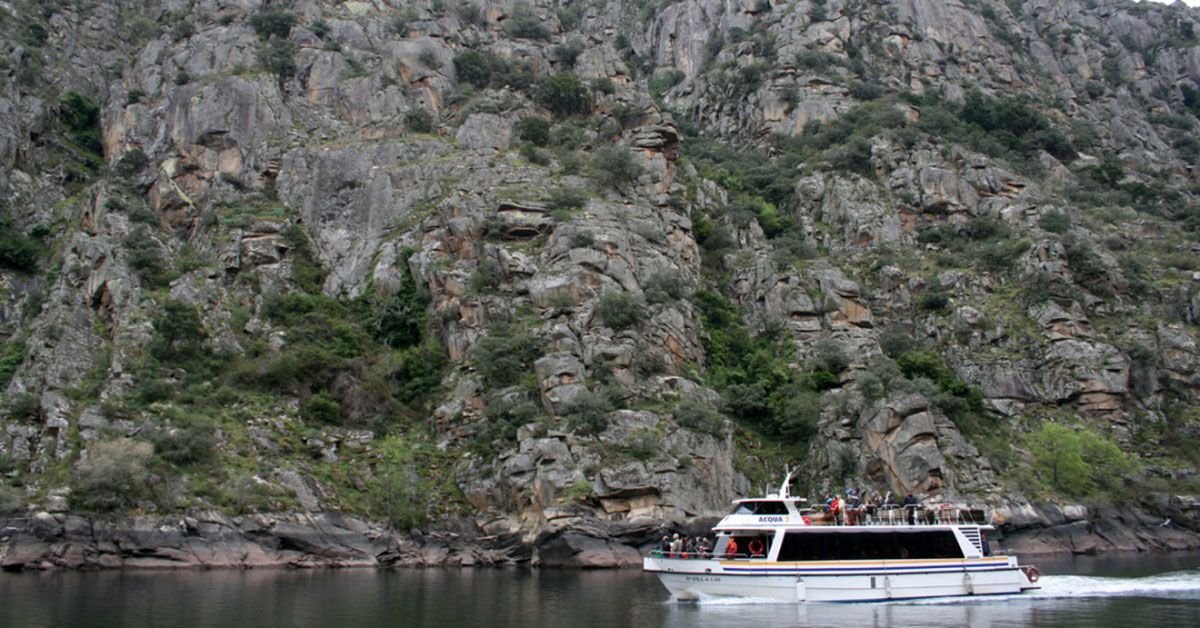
770,498
849,528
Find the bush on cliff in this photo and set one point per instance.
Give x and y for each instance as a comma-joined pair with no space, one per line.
10,500
113,477
18,251
565,95
619,310
1078,461
272,23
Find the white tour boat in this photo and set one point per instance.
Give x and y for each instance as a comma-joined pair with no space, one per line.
777,548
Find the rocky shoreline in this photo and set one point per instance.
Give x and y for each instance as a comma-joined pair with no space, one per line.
208,540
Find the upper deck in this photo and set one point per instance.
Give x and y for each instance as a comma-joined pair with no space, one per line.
791,512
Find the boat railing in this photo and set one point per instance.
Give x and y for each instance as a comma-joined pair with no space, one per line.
658,553
897,515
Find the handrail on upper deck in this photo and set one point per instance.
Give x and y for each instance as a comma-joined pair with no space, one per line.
896,515
705,555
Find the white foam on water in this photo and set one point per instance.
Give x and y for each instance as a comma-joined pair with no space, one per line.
1173,584
725,600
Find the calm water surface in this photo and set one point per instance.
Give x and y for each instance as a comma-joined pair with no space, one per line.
1126,591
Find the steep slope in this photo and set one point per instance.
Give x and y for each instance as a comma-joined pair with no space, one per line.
556,274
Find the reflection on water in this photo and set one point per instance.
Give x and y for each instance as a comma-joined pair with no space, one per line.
1160,590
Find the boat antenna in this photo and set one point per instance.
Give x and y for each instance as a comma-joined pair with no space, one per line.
785,490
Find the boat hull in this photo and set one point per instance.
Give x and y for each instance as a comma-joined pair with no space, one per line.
841,582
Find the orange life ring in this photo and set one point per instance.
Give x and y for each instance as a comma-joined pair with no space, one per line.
1032,573
756,547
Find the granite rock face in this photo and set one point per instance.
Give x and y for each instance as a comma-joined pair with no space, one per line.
350,152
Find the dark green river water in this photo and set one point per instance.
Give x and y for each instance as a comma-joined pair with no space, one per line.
1139,591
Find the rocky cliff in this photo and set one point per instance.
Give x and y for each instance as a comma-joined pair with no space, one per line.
550,275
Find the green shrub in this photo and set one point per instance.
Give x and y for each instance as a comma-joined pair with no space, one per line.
22,406
569,52
419,120
565,95
191,443
535,155
958,400
471,14
131,163
821,379
10,500
604,85
663,81
895,341
642,444
587,414
619,310
865,91
534,130
12,353
113,477
505,354
321,408
1086,266
1078,461
18,251
798,411
615,167
34,34
567,199
307,272
399,320
666,286
417,371
697,416
272,23
177,331
81,116
524,24
934,299
828,355
472,67
146,257
278,56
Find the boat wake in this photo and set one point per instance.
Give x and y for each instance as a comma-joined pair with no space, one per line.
1173,584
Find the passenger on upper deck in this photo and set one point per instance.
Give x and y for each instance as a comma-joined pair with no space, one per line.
910,504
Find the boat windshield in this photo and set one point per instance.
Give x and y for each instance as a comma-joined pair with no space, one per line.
760,508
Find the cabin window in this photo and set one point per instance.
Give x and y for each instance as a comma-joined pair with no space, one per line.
869,546
760,508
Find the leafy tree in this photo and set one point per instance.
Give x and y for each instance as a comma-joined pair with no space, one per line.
472,67
419,120
177,331
321,408
524,24
81,116
534,129
278,57
619,310
565,95
1078,461
505,354
615,167
18,251
272,23
114,476
588,413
